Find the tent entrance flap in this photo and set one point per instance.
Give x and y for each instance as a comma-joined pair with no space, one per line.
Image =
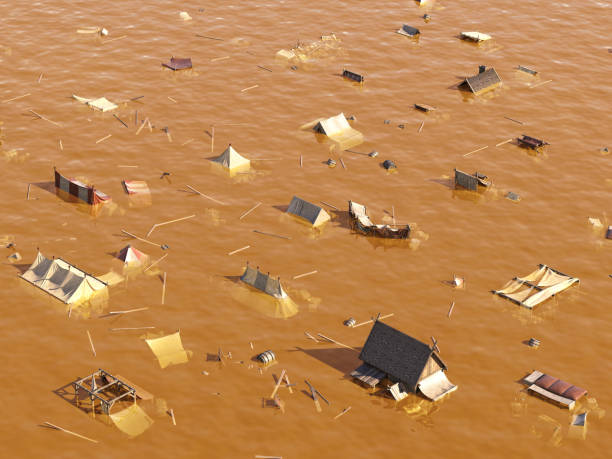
436,386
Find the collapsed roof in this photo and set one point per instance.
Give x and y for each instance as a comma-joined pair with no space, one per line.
101,103
361,223
308,211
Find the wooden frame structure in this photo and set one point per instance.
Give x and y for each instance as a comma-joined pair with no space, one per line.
112,385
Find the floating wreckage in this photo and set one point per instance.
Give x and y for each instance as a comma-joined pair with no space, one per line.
530,142
475,36
537,287
361,223
177,63
266,357
63,280
232,160
424,107
471,181
408,31
102,103
85,193
136,187
338,129
553,389
263,282
305,210
410,365
353,76
484,81
389,165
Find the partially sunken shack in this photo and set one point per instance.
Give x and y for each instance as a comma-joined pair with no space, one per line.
263,282
312,213
361,223
470,181
409,364
484,81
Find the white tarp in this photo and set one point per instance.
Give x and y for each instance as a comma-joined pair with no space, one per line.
62,280
436,386
102,103
338,129
475,36
232,160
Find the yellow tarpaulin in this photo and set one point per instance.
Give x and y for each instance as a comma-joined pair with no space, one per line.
132,421
169,350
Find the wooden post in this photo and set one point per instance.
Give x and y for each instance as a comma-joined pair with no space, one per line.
300,160
28,194
212,139
171,412
450,311
278,383
164,289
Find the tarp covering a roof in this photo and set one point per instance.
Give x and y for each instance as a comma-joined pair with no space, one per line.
537,287
232,160
263,282
132,421
62,280
80,190
169,350
436,386
308,211
338,129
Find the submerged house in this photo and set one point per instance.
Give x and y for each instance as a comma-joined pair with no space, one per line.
361,223
536,287
263,282
410,365
312,213
63,280
484,81
85,193
230,159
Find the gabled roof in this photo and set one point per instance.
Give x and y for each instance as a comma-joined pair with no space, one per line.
333,126
130,255
263,282
308,211
402,357
488,79
231,159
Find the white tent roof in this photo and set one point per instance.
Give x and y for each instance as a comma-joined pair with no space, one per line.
102,103
231,159
334,125
308,211
475,36
62,280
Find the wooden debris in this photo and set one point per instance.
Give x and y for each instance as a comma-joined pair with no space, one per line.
271,234
328,204
167,223
142,125
210,38
115,39
43,118
250,87
28,193
154,263
131,328
61,145
288,383
504,142
512,119
477,150
171,413
300,160
127,311
342,162
372,320
204,195
316,340
219,58
172,100
450,311
250,210
539,84
15,98
336,342
120,120
186,142
40,77
141,239
421,126
435,344
93,349
53,426
313,394
278,383
104,138
305,274
164,290
345,410
265,68
239,250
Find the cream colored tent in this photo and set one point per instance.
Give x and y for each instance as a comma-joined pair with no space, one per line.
232,160
309,212
533,289
169,350
338,129
475,36
102,103
62,280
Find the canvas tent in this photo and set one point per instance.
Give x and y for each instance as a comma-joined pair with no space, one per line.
169,350
101,103
131,256
62,280
482,82
475,36
408,363
263,282
309,212
230,159
338,129
536,287
361,223
80,190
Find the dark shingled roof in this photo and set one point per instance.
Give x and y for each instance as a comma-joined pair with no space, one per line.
402,357
487,79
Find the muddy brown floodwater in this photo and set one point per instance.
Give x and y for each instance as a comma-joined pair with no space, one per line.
485,238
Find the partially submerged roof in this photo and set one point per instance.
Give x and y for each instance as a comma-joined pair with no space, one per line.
177,63
470,181
475,36
483,81
102,103
338,129
136,187
130,255
360,221
263,282
80,190
308,211
231,159
409,31
537,287
402,357
62,280
554,389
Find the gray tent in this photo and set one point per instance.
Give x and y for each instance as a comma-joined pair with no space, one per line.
310,212
263,282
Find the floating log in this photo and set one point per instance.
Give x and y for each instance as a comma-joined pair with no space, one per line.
316,340
131,328
53,426
120,120
278,383
450,311
60,144
127,311
504,142
93,349
28,193
210,38
250,210
328,204
372,320
115,39
16,98
250,87
204,195
512,119
142,125
421,126
305,274
168,222
477,150
335,342
164,290
172,100
44,118
104,138
265,68
141,239
171,413
239,250
219,58
539,84
345,410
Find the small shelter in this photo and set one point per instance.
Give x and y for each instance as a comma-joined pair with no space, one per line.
410,365
177,63
408,31
482,82
131,256
475,36
353,76
424,107
135,187
263,282
361,223
104,387
470,181
553,389
338,129
308,211
80,190
537,287
62,280
101,103
230,159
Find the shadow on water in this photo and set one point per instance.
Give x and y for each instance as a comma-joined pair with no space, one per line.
341,359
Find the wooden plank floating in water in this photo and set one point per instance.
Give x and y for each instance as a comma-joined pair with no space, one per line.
43,118
210,38
104,138
239,250
53,426
527,70
539,84
127,311
140,238
331,340
316,340
167,223
424,107
328,204
271,234
512,119
477,150
172,100
164,290
93,349
353,76
372,320
16,98
345,410
450,311
204,195
278,383
250,87
120,120
504,142
219,58
421,126
250,210
115,39
131,328
305,274
265,68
